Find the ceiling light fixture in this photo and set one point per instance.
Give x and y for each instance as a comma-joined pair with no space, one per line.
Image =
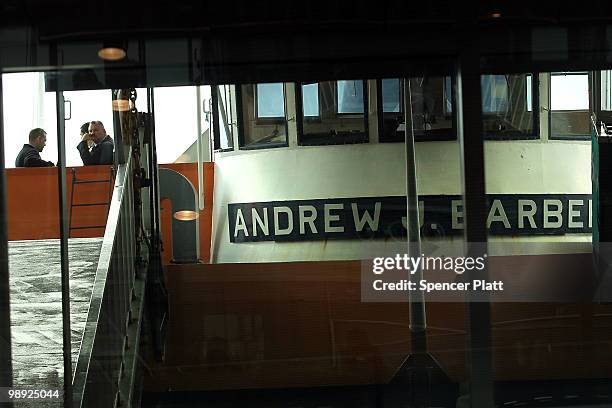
185,215
121,105
111,53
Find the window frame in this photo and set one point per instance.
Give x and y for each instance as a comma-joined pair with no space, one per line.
535,111
268,119
242,123
589,110
433,135
217,124
339,139
364,89
597,98
301,103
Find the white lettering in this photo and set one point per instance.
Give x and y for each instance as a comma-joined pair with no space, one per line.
329,218
367,218
571,214
550,213
240,224
522,214
263,224
307,219
277,229
456,215
497,214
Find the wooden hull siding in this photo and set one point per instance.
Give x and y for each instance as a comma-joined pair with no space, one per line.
302,324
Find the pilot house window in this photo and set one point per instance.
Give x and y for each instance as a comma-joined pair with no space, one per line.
262,115
569,105
332,112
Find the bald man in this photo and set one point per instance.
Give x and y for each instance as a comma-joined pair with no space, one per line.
102,150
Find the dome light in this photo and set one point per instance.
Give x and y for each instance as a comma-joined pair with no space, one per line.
112,53
185,215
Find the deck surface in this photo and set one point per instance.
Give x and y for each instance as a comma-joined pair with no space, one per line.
36,308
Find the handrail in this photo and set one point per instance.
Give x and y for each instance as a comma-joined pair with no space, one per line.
100,359
594,124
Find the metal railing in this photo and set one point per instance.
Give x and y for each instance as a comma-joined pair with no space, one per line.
106,356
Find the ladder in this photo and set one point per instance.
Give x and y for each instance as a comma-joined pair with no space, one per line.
76,182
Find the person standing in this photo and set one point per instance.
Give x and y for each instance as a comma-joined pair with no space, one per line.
84,131
102,150
29,156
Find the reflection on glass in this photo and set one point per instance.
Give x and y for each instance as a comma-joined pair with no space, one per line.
310,100
494,93
350,96
528,92
225,117
431,109
175,137
569,91
507,106
332,113
606,90
569,105
262,109
270,101
391,95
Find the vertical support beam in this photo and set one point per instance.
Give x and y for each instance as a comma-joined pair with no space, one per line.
120,148
214,96
199,148
63,218
6,359
418,324
470,134
155,213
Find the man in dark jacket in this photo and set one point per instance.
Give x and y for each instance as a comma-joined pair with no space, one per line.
29,156
102,150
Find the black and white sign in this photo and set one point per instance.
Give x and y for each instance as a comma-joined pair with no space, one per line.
385,217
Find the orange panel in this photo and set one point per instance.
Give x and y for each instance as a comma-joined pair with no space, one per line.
33,207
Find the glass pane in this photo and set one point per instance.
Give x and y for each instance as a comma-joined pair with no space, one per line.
606,90
350,96
310,99
538,219
27,106
257,130
569,92
529,93
329,127
494,93
176,138
86,106
33,225
507,106
432,119
226,116
569,99
391,95
270,101
448,101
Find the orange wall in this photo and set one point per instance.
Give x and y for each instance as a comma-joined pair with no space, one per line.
33,207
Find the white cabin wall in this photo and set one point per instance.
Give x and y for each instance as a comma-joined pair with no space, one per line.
363,170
